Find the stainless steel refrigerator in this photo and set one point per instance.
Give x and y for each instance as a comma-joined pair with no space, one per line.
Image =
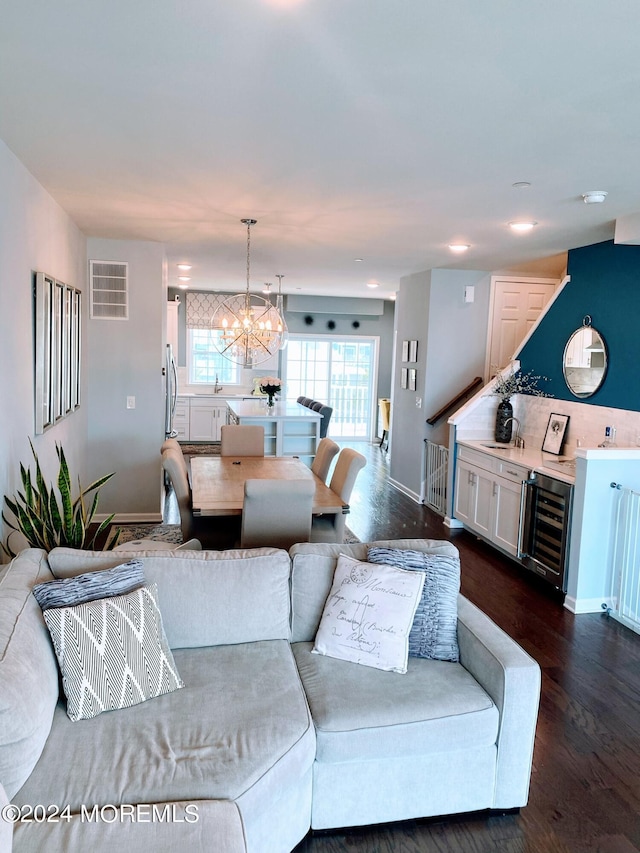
171,392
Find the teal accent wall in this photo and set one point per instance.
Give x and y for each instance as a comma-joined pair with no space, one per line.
605,283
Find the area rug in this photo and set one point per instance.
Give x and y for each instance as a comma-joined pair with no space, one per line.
170,533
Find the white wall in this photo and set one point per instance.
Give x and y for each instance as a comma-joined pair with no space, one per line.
125,358
407,421
35,235
451,337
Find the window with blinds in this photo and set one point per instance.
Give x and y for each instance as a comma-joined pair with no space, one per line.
109,290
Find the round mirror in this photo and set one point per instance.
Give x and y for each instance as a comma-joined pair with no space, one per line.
584,363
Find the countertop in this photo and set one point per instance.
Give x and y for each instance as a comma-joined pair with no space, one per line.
284,409
560,467
225,397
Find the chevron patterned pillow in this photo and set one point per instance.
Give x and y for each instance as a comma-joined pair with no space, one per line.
112,652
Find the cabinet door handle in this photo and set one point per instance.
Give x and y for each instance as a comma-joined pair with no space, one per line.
514,473
495,488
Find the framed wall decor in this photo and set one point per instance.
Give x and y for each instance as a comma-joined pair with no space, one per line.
554,436
58,322
403,377
405,351
412,379
413,351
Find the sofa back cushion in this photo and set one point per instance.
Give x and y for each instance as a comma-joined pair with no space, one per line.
313,566
29,686
207,598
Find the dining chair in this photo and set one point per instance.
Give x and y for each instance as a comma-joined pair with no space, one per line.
241,440
330,528
173,444
327,450
212,532
174,467
276,513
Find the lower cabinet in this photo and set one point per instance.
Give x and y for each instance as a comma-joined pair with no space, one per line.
488,502
205,420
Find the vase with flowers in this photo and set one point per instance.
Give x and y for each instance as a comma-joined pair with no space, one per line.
271,385
505,386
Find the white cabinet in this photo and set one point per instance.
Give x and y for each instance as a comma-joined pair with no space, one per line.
181,418
206,418
488,496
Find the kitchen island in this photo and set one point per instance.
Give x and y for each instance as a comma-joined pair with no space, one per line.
289,428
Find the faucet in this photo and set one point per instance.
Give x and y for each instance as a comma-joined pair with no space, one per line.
518,441
217,388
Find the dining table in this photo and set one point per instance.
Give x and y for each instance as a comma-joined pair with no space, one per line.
217,483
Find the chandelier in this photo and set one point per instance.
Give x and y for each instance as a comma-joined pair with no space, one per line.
251,330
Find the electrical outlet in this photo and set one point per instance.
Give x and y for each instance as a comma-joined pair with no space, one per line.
131,402
418,402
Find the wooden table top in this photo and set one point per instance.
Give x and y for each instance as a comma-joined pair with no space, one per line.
217,482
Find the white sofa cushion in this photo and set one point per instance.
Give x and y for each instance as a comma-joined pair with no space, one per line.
29,686
242,710
208,598
362,713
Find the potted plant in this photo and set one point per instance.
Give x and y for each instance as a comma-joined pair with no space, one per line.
505,386
48,520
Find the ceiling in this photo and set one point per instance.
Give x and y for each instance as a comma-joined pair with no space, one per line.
349,129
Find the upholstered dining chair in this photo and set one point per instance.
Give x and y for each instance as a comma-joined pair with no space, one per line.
276,513
330,528
173,444
212,532
241,440
327,450
175,469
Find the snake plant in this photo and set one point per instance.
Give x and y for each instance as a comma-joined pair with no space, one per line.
46,519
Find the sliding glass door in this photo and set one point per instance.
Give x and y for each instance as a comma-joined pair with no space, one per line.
339,371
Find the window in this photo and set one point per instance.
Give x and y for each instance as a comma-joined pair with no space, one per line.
341,372
205,363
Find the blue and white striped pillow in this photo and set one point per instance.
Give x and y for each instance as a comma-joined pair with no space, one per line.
67,592
434,633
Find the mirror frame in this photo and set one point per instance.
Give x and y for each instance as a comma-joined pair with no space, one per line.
586,324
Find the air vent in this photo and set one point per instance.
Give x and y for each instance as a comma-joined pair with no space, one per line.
109,290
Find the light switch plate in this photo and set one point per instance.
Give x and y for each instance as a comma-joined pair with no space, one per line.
131,402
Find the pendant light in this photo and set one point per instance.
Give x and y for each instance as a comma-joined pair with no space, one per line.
250,329
280,310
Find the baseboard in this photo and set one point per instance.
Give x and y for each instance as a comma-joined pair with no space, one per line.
131,517
413,495
587,605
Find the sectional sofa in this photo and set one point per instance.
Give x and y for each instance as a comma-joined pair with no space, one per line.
265,739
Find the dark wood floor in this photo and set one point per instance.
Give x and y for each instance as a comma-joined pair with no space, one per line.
585,788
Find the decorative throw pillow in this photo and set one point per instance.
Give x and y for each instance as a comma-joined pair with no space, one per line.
435,627
112,652
68,592
368,614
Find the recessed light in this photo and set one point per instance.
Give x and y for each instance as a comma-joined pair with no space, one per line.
183,286
459,247
373,283
185,267
521,227
521,185
184,278
358,260
594,196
